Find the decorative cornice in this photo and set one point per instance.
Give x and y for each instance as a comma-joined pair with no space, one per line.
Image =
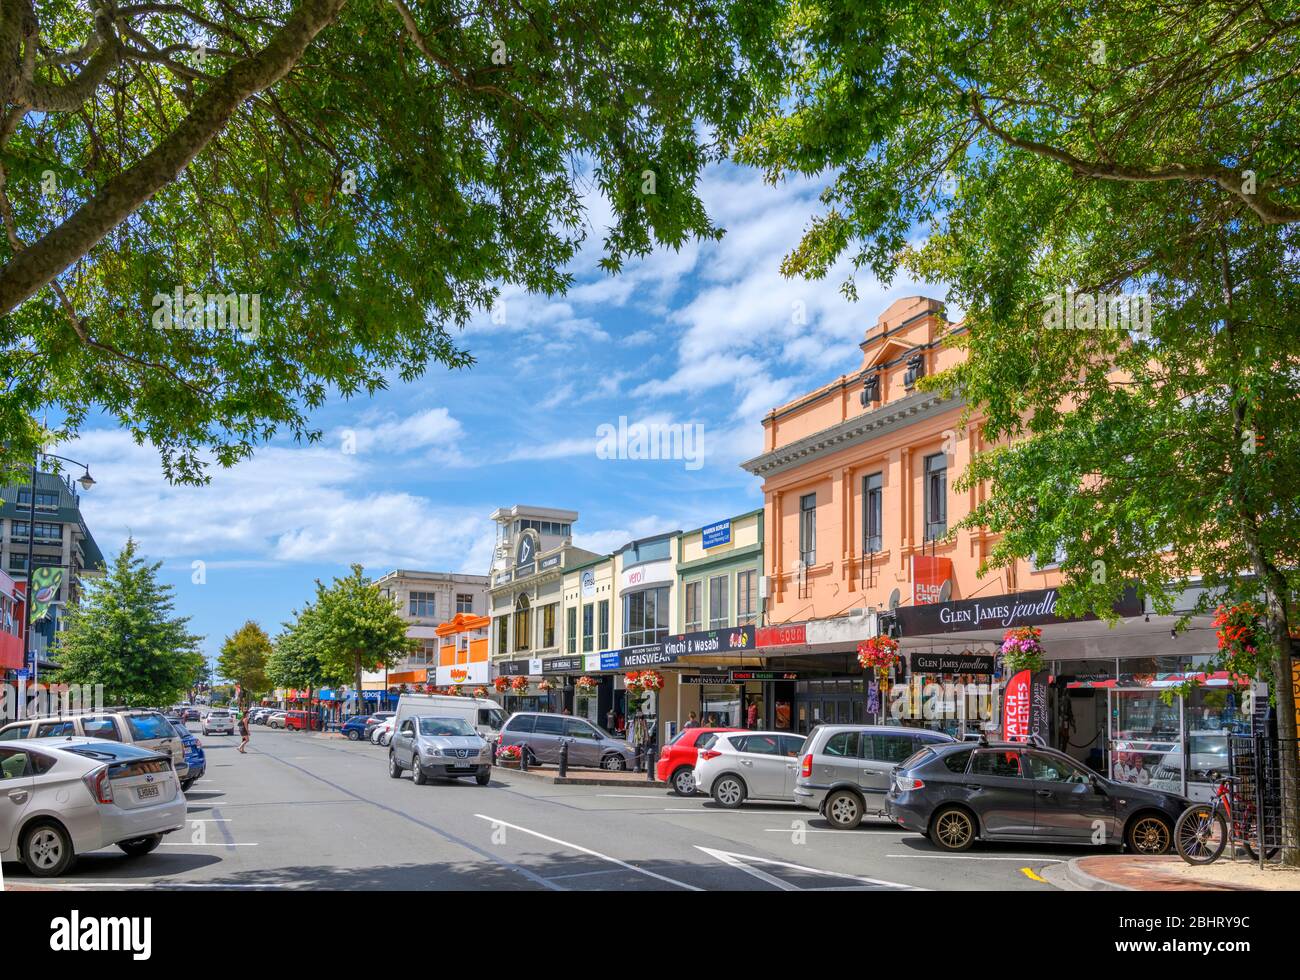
873,424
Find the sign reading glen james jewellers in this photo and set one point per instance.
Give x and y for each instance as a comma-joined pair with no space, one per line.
997,612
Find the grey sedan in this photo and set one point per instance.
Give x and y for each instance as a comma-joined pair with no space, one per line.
445,747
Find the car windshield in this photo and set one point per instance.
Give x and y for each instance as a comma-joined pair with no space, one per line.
149,726
445,727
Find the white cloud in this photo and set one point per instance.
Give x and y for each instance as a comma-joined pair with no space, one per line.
282,506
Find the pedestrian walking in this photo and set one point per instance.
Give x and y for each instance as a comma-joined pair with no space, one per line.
691,721
243,732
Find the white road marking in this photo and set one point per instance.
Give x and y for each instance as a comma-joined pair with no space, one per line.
587,850
623,796
741,863
977,857
212,844
737,813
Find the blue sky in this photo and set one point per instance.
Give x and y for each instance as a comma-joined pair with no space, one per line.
710,335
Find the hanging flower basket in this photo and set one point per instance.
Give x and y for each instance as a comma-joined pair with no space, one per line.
1022,649
501,683
632,680
585,687
545,686
652,680
1236,628
480,692
519,685
879,653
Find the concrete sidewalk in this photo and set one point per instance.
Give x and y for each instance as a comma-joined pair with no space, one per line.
582,777
1135,873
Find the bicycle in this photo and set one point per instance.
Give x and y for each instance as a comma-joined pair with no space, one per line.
1202,830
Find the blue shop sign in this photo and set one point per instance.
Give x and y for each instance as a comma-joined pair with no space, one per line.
716,534
610,660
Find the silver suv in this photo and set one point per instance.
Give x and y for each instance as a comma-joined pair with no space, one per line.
141,726
447,747
844,770
541,735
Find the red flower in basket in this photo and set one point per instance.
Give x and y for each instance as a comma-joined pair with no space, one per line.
584,685
519,684
510,753
651,680
480,692
878,653
501,683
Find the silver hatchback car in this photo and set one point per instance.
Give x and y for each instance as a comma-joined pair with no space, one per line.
844,770
446,747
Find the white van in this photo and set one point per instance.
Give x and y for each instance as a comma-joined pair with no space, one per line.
484,715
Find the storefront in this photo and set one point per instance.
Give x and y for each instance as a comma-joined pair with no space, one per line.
1110,695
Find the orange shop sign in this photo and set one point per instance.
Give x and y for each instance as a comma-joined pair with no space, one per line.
928,576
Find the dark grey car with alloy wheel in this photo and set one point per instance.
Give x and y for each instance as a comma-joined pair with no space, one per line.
959,793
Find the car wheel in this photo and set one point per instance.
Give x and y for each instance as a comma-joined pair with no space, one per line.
394,769
1149,834
385,738
952,829
186,784
417,774
483,778
47,850
683,781
729,791
353,735
613,763
141,845
844,809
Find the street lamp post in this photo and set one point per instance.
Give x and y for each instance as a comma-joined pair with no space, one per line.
86,481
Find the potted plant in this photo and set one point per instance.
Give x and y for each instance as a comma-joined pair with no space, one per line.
510,756
1022,649
879,653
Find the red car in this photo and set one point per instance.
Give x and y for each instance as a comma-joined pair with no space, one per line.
302,721
676,766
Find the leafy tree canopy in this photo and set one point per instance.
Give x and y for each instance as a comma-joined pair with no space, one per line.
370,171
124,636
243,659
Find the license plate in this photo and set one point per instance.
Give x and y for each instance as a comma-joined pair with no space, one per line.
146,792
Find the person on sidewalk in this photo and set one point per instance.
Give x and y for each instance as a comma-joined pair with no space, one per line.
243,732
691,722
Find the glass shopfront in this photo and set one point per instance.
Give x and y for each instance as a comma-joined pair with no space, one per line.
1120,717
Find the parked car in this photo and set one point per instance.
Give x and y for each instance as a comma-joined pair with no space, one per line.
541,734
955,794
275,719
219,721
68,795
439,747
301,721
733,767
381,734
138,726
196,761
676,763
355,727
845,770
377,719
484,715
